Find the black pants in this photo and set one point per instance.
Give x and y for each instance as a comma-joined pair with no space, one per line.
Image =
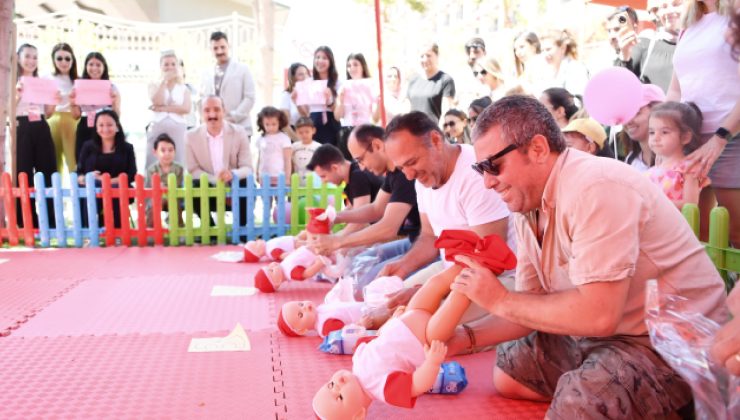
35,153
212,204
84,133
326,133
343,139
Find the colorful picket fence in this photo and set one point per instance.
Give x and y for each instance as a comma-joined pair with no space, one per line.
724,257
85,204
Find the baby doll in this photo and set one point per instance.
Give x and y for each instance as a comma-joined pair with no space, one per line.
276,249
302,263
296,318
403,361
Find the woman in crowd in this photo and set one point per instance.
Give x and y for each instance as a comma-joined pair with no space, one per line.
347,113
455,127
636,134
297,72
171,103
34,150
476,107
488,71
395,101
527,59
324,68
433,92
562,67
107,153
705,73
62,123
96,68
560,103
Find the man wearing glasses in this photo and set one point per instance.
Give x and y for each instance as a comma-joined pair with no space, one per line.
393,213
590,233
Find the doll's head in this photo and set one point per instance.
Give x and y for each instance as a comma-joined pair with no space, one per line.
269,278
343,397
297,317
254,250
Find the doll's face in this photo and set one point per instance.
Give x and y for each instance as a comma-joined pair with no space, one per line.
341,398
274,273
256,247
300,315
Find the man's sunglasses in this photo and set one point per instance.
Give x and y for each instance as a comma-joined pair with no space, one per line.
63,58
487,165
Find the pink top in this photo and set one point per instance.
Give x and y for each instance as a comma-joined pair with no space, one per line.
216,147
331,315
298,260
385,366
669,180
277,246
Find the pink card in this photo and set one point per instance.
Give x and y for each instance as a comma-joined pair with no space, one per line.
358,101
310,92
39,91
92,92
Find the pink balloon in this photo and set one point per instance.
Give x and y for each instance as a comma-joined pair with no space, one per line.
613,96
287,213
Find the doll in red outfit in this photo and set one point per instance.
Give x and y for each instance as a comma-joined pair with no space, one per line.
275,249
302,263
403,361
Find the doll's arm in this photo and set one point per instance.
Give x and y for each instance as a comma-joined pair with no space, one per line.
313,269
426,373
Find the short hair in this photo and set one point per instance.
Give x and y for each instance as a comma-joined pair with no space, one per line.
365,133
304,122
271,112
212,96
164,138
325,156
215,36
417,123
476,42
520,118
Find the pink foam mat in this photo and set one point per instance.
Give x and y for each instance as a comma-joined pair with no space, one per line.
304,369
150,304
77,263
134,376
21,299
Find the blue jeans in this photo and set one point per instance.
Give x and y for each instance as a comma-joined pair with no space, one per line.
378,256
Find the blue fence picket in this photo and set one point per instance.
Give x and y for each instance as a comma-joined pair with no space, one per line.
58,194
40,187
280,196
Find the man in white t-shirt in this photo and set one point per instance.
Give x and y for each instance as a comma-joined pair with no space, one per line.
447,194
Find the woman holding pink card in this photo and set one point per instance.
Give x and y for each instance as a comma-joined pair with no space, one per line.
96,68
355,101
34,147
324,68
62,123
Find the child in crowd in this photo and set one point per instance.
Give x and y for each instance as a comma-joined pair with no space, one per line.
403,361
585,134
304,148
302,263
274,146
674,129
164,150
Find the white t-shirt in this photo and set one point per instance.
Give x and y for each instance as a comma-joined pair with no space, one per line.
65,85
463,201
302,154
392,357
287,103
271,148
346,312
301,257
176,96
706,71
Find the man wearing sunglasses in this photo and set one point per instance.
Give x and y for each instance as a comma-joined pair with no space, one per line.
590,233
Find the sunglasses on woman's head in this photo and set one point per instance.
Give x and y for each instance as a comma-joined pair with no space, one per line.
63,58
482,73
487,165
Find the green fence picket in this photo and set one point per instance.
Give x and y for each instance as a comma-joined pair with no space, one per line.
172,209
221,211
188,186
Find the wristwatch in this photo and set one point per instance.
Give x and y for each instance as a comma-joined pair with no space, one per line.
723,133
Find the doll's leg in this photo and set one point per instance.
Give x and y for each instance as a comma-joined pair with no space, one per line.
434,290
442,324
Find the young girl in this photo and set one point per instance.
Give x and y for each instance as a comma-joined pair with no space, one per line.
275,152
34,146
96,68
63,124
349,105
674,133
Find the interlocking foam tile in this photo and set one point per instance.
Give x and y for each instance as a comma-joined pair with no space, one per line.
305,369
150,304
73,263
301,290
21,299
134,376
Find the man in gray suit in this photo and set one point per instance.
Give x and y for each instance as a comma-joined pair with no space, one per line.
218,149
232,81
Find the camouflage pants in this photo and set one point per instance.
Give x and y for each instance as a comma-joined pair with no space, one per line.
595,378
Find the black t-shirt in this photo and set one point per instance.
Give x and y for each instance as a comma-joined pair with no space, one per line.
426,95
403,191
658,68
362,183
